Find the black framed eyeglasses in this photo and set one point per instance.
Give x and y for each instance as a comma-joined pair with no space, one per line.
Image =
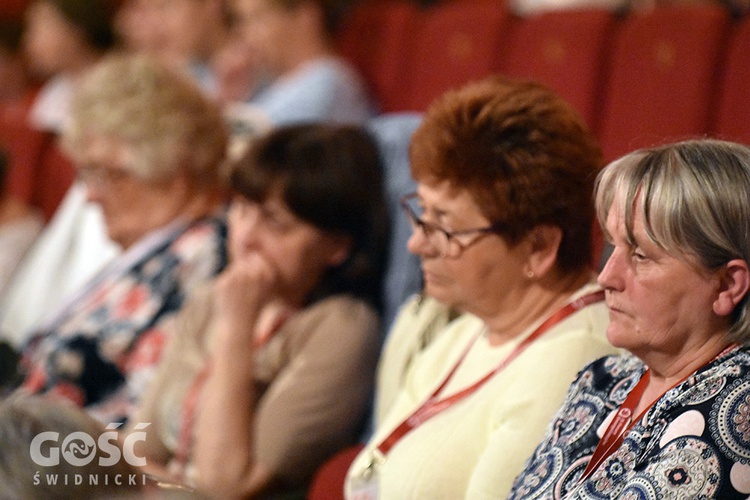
448,243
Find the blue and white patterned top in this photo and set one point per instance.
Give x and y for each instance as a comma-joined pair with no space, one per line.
693,443
102,349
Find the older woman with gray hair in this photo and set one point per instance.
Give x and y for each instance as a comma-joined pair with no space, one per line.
149,146
54,449
670,418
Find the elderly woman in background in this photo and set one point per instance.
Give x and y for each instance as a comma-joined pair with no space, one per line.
502,220
272,366
669,419
149,146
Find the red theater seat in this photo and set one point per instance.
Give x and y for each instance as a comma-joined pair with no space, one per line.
662,82
733,109
565,50
55,175
454,43
328,483
375,38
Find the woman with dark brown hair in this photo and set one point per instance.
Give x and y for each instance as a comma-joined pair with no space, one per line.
272,366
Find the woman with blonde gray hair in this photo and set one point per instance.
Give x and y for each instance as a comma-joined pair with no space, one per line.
670,418
149,146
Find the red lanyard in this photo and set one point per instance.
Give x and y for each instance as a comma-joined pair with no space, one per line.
434,405
622,423
189,407
616,430
190,403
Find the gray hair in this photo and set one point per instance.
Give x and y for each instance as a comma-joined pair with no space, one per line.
695,202
22,419
165,119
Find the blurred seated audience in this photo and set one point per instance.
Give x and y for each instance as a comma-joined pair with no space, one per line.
201,38
235,71
271,366
138,27
502,221
148,147
291,42
184,33
669,417
20,224
63,39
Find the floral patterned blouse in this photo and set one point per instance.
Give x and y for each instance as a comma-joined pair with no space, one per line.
693,443
102,350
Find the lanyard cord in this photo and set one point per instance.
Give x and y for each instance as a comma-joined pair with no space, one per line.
434,405
623,422
620,425
189,407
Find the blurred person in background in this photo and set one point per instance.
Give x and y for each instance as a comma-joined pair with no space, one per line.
63,39
148,147
304,78
16,83
183,33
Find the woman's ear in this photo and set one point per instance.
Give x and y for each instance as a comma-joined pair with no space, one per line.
340,249
734,282
543,242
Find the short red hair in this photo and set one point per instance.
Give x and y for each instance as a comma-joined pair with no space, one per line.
525,155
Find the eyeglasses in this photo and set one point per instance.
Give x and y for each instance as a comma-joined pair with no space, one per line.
448,243
272,217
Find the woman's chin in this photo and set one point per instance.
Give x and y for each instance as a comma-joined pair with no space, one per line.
618,336
441,294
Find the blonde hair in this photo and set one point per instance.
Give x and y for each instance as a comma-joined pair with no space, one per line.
164,118
695,203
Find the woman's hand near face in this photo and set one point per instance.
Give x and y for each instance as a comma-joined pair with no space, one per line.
243,290
225,420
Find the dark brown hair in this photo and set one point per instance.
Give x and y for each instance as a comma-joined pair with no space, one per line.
523,153
330,177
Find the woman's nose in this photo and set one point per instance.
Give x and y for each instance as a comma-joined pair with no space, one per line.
247,229
419,244
610,276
